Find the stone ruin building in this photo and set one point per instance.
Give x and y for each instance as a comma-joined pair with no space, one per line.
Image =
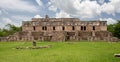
62,29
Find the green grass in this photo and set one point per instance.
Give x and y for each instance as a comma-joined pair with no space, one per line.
60,52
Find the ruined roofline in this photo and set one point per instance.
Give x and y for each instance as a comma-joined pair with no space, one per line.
69,18
53,18
47,19
92,21
33,19
63,19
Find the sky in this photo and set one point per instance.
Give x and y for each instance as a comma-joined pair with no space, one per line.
16,11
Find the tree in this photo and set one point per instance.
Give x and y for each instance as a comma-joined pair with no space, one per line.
111,27
9,30
117,30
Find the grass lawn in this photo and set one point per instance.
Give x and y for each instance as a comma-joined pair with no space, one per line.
60,52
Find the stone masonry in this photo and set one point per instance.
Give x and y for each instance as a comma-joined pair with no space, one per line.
62,29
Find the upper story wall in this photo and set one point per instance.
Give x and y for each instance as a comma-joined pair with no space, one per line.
66,26
63,24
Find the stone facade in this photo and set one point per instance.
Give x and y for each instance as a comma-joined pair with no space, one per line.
63,24
63,29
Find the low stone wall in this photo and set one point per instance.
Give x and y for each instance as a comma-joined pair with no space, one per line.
58,36
3,39
61,36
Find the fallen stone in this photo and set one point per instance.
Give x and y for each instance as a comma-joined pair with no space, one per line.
34,47
117,55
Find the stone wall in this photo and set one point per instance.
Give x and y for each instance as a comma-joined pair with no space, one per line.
61,36
3,39
62,29
37,24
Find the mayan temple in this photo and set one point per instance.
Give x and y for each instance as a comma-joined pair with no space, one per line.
62,29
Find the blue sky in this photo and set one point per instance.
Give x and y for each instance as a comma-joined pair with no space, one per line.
16,11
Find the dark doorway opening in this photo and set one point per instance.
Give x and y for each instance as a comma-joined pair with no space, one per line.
34,28
93,27
63,28
73,28
53,27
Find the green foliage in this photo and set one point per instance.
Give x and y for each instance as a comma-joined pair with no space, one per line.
111,28
60,52
115,29
9,30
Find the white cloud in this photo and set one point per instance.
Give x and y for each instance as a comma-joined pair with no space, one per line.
49,3
3,11
62,14
17,5
21,17
37,16
108,8
13,10
87,8
111,7
109,20
53,8
39,2
101,1
0,12
8,21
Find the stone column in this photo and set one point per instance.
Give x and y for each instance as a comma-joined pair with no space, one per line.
93,33
34,43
